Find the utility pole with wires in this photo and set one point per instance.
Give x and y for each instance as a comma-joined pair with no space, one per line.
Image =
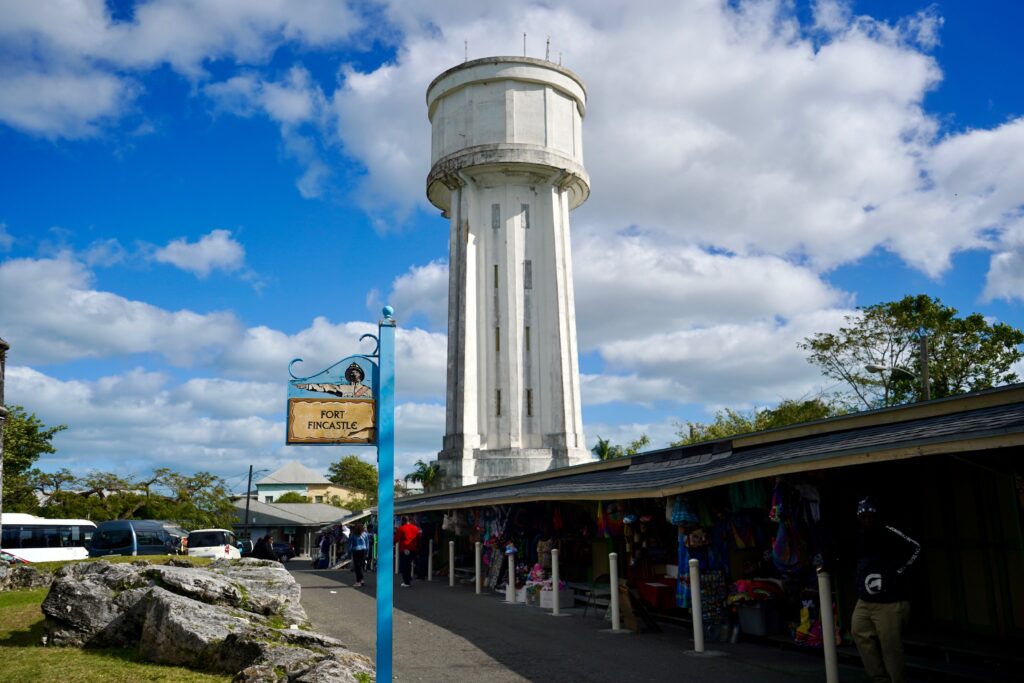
248,495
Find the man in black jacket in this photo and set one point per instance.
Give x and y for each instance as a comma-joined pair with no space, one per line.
884,558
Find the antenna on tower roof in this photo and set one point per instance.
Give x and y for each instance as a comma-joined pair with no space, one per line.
524,43
547,50
465,47
559,59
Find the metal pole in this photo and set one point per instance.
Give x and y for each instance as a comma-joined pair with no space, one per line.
451,564
430,560
510,586
613,573
555,607
4,347
926,390
385,490
698,616
828,636
479,578
248,488
396,559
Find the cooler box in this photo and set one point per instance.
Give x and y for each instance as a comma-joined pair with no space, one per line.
758,618
658,595
566,598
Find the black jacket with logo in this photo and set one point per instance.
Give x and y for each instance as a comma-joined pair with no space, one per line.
884,557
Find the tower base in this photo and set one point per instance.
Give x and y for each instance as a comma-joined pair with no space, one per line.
476,466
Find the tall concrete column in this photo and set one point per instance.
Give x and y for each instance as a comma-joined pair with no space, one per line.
507,169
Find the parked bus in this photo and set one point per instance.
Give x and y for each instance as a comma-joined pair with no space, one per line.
38,539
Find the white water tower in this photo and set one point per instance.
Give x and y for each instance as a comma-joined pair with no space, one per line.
507,167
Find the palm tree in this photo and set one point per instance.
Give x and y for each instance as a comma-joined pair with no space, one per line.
604,450
425,474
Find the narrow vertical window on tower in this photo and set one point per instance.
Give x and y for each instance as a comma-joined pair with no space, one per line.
497,340
526,216
527,274
526,338
495,216
529,402
498,402
495,276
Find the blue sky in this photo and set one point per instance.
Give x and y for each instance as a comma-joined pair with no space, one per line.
193,193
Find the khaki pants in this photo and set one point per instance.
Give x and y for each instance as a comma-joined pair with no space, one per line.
877,630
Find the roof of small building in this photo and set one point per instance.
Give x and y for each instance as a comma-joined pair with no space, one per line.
294,472
287,514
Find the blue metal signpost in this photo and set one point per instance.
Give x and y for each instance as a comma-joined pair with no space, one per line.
385,493
353,401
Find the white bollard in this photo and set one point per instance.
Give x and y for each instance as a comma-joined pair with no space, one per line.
828,636
510,587
698,616
555,607
396,558
479,577
613,573
430,560
451,564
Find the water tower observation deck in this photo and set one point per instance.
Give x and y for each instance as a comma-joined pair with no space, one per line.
507,114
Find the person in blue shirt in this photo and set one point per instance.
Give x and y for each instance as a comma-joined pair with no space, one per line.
359,543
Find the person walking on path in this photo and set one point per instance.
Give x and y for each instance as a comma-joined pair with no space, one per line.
359,542
407,536
884,558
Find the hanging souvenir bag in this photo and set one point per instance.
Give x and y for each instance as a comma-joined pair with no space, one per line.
683,513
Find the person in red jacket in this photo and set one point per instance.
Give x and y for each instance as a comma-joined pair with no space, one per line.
407,536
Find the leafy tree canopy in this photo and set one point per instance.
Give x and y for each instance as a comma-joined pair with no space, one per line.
605,450
25,439
355,474
428,475
292,497
964,353
730,422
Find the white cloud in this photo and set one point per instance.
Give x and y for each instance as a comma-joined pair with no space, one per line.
422,290
1005,279
217,250
69,64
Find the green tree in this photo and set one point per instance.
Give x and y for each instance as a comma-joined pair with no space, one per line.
964,353
292,497
729,422
355,474
605,450
428,475
25,439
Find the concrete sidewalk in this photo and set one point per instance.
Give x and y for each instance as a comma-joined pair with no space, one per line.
445,634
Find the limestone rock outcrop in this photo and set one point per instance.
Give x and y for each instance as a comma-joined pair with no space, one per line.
241,617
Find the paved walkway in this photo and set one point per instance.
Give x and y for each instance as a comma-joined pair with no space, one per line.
445,634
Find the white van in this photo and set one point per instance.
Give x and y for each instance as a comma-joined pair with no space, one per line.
215,543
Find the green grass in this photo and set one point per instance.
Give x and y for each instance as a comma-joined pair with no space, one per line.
24,659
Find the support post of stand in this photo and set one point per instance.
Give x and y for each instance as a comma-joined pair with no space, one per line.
613,574
698,616
451,564
430,560
396,558
828,637
478,579
555,595
510,586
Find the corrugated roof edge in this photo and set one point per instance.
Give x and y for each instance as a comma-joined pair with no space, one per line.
1012,393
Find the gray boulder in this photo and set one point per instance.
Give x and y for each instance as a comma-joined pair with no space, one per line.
94,604
267,587
197,584
23,576
182,631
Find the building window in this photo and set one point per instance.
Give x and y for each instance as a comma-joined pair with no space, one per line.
499,402
526,337
527,274
495,216
318,499
495,275
497,340
268,499
526,216
529,402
